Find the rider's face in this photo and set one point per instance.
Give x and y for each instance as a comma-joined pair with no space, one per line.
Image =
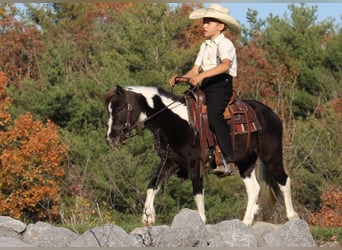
212,28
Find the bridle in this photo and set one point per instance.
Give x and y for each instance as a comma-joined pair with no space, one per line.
127,127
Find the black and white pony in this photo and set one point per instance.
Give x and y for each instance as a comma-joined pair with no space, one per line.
166,115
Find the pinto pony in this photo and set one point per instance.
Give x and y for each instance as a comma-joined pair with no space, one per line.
166,115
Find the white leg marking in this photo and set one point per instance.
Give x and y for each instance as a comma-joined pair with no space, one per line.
286,190
110,120
148,216
252,188
199,200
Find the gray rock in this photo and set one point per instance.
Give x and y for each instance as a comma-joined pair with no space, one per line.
150,236
107,235
43,234
184,237
187,218
10,227
232,233
260,229
187,230
294,233
12,242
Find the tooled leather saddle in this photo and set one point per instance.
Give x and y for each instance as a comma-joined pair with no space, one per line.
240,116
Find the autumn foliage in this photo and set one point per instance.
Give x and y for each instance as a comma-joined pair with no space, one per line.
5,101
330,214
30,167
20,47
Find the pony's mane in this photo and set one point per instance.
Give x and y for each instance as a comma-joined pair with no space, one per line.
168,94
153,95
148,91
158,90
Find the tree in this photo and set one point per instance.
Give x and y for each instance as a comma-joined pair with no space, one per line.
333,58
5,102
297,43
20,46
255,26
30,167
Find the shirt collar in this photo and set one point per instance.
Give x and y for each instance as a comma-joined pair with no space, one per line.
216,40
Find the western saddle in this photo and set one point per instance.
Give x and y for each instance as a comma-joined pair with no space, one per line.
240,116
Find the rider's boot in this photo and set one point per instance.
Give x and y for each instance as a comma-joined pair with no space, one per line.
225,170
224,166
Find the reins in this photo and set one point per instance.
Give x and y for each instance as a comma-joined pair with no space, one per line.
128,128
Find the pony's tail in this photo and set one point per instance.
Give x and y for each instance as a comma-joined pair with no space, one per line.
270,191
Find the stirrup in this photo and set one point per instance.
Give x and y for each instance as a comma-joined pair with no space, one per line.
221,171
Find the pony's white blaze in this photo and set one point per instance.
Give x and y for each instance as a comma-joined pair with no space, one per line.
286,190
149,215
149,92
110,120
253,188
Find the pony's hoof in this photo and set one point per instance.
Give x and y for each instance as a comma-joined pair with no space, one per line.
247,223
147,220
294,216
148,224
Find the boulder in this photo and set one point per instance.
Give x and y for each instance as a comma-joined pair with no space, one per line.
150,236
12,242
186,230
294,233
10,227
43,234
108,235
231,233
260,229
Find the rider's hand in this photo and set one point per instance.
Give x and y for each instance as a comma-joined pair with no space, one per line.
172,80
195,80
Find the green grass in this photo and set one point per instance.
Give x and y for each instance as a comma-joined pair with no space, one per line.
321,234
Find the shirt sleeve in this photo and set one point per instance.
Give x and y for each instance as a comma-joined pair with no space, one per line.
226,50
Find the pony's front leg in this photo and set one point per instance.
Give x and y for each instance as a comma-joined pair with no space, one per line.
199,200
164,171
198,191
253,189
149,215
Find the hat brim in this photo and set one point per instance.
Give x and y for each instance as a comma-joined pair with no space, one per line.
232,24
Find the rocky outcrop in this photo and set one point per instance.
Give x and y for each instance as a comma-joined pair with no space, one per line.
186,230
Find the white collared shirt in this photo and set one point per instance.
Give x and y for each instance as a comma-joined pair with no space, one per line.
212,52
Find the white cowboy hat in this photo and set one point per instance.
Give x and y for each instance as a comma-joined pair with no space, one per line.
217,12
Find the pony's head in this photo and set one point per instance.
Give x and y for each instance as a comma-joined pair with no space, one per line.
121,115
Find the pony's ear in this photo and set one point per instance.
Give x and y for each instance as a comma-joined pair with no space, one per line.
119,90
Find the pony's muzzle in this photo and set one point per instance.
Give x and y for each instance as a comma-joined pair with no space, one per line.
113,142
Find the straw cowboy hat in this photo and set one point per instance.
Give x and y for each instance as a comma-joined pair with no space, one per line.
218,12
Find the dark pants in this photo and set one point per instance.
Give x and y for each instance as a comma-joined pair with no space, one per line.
218,91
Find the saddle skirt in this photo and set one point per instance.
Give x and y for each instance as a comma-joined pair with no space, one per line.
240,116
